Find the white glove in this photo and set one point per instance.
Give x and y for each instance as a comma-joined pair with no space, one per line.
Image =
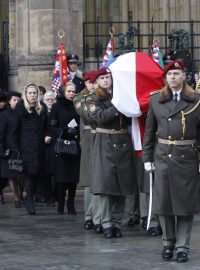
149,166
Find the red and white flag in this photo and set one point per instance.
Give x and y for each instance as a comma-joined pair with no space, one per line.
61,73
135,76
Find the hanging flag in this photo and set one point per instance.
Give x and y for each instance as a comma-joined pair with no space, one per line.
109,54
156,54
135,75
61,73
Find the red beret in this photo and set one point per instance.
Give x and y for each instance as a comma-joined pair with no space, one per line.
102,71
173,65
88,75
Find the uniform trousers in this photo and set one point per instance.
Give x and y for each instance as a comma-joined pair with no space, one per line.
144,209
92,206
87,203
112,210
96,209
176,231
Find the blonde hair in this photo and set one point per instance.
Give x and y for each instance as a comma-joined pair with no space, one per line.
38,106
64,86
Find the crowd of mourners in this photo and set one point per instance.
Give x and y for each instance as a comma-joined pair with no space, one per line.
31,123
102,158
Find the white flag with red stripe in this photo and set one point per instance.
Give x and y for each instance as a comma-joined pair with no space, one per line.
135,76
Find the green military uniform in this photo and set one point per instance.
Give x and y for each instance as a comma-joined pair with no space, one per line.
113,168
172,129
91,202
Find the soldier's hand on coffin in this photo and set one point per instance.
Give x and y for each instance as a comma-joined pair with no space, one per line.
149,166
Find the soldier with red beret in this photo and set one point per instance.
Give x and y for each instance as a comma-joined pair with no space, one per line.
112,165
171,141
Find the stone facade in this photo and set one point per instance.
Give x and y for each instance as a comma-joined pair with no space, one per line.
34,24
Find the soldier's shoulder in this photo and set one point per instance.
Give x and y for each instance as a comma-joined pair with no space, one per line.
155,92
197,92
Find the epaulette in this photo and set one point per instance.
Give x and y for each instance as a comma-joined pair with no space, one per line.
197,92
155,92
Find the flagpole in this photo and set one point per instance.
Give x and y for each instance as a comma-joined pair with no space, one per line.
61,35
112,32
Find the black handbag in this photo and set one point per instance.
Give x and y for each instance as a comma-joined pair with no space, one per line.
66,147
15,163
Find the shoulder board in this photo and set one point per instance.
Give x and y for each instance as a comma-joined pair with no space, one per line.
155,92
77,95
197,92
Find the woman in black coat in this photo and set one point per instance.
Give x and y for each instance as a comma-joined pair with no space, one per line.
29,138
6,121
66,167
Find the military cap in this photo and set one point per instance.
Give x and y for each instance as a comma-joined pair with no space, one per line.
102,71
88,75
173,65
13,94
72,58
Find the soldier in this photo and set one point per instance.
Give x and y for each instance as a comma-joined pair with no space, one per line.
76,75
112,168
79,103
172,131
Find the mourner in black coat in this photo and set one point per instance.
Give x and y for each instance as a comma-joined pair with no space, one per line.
3,181
6,121
66,167
29,138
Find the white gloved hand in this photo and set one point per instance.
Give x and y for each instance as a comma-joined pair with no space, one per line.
149,166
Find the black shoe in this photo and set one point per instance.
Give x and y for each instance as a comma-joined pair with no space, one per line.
144,223
155,231
18,204
88,225
133,221
60,209
181,257
167,252
70,208
117,232
31,212
98,228
108,232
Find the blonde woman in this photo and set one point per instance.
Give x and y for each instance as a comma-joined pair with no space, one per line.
29,139
66,170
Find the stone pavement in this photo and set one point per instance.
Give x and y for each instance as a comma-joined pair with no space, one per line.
49,241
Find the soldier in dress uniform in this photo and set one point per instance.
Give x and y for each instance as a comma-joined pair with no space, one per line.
112,169
76,75
85,128
171,139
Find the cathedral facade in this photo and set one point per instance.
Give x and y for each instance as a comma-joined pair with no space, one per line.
29,31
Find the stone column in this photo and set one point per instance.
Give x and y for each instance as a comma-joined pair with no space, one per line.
31,43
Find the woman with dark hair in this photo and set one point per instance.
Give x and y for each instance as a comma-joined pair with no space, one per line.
29,138
66,167
6,121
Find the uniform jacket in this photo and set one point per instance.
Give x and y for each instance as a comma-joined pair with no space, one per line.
66,168
176,185
112,168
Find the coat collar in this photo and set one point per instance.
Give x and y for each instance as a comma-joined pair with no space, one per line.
187,94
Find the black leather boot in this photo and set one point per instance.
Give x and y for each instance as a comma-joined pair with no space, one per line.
70,208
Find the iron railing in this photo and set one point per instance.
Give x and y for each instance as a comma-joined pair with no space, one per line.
96,36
